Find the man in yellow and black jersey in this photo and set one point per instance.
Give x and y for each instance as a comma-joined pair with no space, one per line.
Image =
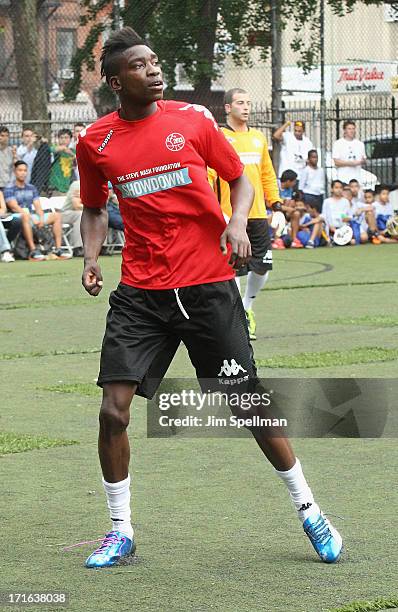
252,148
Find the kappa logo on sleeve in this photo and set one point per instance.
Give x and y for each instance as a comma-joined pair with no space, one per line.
201,109
105,141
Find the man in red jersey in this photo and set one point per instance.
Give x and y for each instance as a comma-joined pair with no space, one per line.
177,272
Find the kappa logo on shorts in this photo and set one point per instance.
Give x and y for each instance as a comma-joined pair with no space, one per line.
267,259
175,141
231,369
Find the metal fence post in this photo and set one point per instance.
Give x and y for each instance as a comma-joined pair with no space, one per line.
337,109
394,139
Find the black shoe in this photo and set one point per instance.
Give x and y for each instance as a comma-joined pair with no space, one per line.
78,252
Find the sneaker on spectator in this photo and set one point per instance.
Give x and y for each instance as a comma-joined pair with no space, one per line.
60,254
36,255
78,252
7,257
310,245
375,240
297,244
278,244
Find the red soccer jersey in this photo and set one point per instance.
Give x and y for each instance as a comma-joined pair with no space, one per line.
158,169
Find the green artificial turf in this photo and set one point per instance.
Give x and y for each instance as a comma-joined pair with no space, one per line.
369,606
329,359
215,528
20,443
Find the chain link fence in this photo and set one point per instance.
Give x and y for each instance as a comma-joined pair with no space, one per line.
361,78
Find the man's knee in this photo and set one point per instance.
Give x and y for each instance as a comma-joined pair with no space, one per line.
114,414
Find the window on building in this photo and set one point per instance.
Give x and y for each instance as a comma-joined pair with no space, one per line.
66,47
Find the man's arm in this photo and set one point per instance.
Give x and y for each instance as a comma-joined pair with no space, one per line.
242,195
93,228
347,162
278,134
13,205
3,207
39,211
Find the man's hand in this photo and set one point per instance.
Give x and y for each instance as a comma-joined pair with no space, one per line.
92,278
235,234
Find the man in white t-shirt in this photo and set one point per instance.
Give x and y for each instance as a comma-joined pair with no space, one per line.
349,154
294,147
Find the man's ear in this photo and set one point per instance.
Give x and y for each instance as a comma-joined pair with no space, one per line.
227,108
114,83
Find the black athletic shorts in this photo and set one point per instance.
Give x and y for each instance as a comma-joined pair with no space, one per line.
260,240
145,327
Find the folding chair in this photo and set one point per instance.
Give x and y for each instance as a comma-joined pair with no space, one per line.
54,204
114,242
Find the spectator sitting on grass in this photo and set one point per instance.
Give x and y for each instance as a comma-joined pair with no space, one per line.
383,211
22,199
287,184
61,174
364,214
359,230
336,210
311,226
312,182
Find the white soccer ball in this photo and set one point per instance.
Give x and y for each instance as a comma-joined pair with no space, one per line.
343,235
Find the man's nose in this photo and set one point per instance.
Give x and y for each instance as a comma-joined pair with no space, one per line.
153,69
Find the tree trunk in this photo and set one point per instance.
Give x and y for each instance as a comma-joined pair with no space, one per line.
206,41
28,64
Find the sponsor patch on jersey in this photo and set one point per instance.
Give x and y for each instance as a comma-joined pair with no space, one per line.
175,141
153,184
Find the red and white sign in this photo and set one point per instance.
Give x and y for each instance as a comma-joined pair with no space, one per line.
362,78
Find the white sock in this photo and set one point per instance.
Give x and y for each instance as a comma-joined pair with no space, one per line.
118,498
299,490
237,281
255,282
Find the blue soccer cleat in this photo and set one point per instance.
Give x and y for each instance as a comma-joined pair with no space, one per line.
326,540
114,548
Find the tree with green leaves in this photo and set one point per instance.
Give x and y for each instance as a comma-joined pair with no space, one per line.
200,34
